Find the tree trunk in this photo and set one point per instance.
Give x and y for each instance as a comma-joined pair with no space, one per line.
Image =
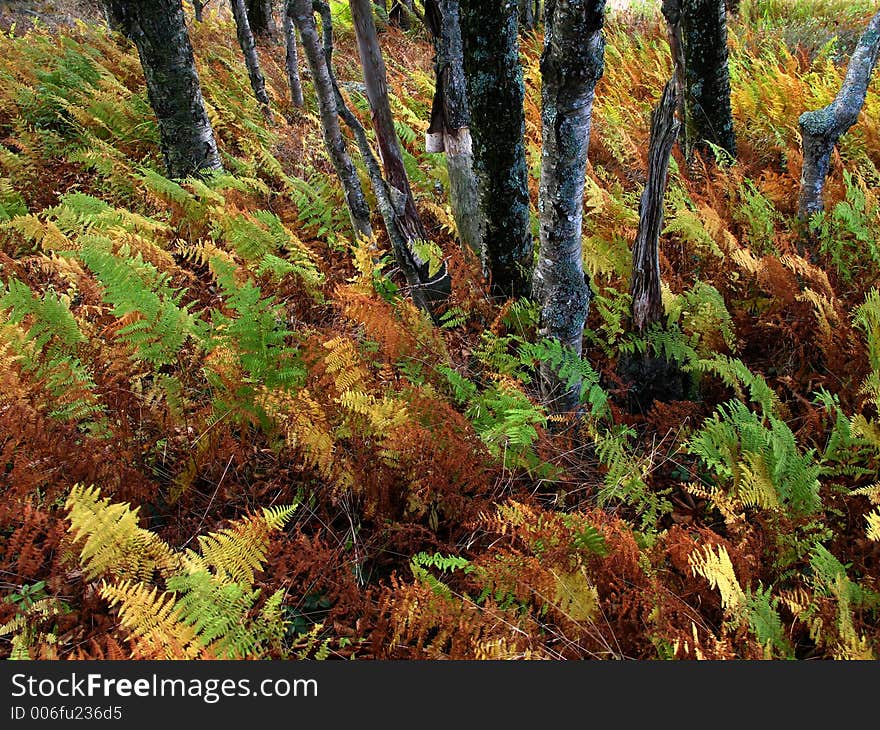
698,38
406,219
526,14
495,93
359,211
158,30
400,13
449,130
821,129
647,305
376,84
251,59
261,19
571,65
115,14
292,57
198,8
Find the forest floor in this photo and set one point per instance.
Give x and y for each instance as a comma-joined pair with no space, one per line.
215,409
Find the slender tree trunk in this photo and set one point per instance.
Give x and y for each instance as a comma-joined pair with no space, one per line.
359,211
158,30
198,8
376,84
292,57
495,93
821,129
251,59
571,65
526,14
406,219
647,305
449,130
261,18
698,37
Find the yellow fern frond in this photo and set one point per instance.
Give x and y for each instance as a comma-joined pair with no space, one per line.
718,570
113,543
149,615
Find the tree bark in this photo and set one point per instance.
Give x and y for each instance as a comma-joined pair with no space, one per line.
449,130
198,8
821,129
251,59
292,57
261,18
698,39
400,13
158,30
647,305
571,65
495,93
358,210
376,84
526,14
406,221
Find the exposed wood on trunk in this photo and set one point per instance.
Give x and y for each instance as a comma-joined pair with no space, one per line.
376,85
406,219
292,57
647,305
821,129
158,30
358,210
449,130
495,91
427,290
251,59
571,65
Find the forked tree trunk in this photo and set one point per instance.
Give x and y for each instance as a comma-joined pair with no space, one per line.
495,93
251,59
449,130
261,19
698,38
406,220
158,30
821,129
571,65
376,85
358,210
292,57
647,305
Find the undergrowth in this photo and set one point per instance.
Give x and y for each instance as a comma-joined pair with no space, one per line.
225,433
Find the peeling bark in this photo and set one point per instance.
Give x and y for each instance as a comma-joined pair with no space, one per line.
358,210
571,65
251,59
449,130
821,129
647,306
698,40
158,30
495,92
